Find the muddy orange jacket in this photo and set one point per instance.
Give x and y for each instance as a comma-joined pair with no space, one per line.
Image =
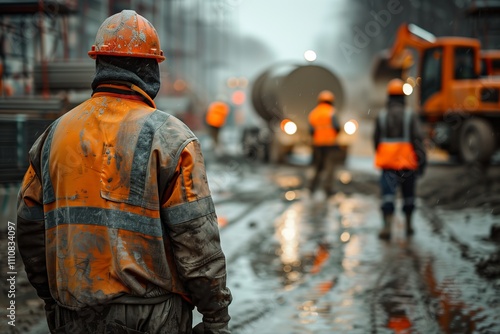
395,152
115,208
324,125
216,114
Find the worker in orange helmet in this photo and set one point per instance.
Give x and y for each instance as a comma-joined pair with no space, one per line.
116,225
324,127
216,116
400,154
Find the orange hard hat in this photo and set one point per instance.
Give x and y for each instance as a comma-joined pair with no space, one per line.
326,96
218,106
127,34
395,87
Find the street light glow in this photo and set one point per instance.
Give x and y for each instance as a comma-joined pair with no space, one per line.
310,55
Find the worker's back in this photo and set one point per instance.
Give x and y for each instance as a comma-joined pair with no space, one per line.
322,122
99,174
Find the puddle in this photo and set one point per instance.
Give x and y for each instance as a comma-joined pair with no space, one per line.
325,271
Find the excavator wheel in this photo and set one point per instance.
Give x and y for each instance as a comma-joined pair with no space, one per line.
477,141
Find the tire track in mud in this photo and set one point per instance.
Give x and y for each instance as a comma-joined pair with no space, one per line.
487,264
469,297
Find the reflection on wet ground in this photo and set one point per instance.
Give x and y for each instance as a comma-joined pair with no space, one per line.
321,269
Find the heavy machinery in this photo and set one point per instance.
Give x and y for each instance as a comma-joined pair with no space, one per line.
283,95
457,99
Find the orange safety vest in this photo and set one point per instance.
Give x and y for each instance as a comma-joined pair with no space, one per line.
321,120
112,185
217,114
395,153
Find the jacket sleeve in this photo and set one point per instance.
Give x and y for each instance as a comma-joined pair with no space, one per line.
188,213
31,233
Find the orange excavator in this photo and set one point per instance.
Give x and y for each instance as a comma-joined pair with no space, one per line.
457,89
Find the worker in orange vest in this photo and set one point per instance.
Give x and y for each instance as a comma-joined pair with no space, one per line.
400,154
116,225
324,127
216,118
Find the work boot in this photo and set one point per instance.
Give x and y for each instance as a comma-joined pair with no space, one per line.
409,228
385,233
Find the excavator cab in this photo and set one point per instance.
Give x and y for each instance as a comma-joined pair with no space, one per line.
446,68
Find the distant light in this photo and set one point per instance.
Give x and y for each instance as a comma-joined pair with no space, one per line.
179,85
310,55
411,81
290,195
242,82
407,89
345,177
238,97
344,237
232,82
221,221
288,126
350,127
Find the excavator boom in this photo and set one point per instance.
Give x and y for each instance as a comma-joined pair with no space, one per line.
408,36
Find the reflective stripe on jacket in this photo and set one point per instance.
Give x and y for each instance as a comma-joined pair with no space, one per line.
395,153
122,191
216,114
322,122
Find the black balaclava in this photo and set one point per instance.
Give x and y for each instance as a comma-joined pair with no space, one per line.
142,72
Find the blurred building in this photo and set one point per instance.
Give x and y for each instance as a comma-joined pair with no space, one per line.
45,69
192,34
469,18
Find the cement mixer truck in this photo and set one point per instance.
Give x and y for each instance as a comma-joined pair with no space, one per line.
283,96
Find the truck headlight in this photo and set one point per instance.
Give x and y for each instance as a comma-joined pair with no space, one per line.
350,127
288,126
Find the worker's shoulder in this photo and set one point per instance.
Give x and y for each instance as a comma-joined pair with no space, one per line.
170,126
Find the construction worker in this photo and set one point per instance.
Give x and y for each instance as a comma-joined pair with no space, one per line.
324,127
216,118
400,154
116,225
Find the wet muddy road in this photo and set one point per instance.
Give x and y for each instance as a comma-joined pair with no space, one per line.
302,264
315,265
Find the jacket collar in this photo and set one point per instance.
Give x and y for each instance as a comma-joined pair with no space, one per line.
124,88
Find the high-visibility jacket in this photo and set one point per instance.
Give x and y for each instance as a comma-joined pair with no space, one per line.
116,197
324,125
395,153
217,113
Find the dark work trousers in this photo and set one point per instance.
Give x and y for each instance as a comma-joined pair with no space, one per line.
323,162
214,131
171,316
389,183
